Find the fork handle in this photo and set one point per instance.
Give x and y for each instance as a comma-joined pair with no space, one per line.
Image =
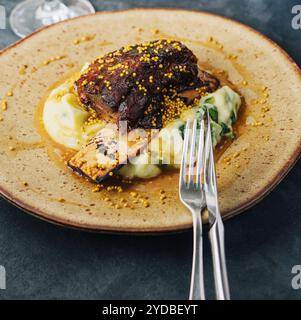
197,289
216,237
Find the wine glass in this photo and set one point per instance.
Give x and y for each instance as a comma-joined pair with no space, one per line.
30,15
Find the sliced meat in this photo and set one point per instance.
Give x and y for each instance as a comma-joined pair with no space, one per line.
208,81
106,153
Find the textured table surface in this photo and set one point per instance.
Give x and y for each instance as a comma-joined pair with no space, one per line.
44,261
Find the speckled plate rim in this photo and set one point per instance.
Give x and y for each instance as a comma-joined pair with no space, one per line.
260,195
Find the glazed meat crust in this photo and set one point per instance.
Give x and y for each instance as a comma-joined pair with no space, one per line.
123,84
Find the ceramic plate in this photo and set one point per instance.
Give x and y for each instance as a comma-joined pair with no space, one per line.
268,134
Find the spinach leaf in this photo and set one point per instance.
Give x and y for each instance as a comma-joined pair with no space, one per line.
233,117
209,100
213,114
225,129
182,130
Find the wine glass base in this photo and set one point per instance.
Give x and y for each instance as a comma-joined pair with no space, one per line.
31,15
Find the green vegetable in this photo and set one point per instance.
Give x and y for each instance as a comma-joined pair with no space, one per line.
216,130
209,100
223,105
226,131
233,117
213,113
182,130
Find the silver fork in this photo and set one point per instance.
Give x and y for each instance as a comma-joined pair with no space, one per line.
216,231
197,190
192,195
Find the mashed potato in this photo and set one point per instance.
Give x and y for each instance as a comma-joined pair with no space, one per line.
65,120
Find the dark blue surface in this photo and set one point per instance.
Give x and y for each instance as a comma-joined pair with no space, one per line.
263,244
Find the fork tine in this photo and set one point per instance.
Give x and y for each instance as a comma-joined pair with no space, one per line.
185,153
192,155
201,154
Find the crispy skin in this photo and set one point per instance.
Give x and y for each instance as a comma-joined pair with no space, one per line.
123,84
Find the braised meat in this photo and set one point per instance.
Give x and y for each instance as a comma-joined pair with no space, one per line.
123,84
